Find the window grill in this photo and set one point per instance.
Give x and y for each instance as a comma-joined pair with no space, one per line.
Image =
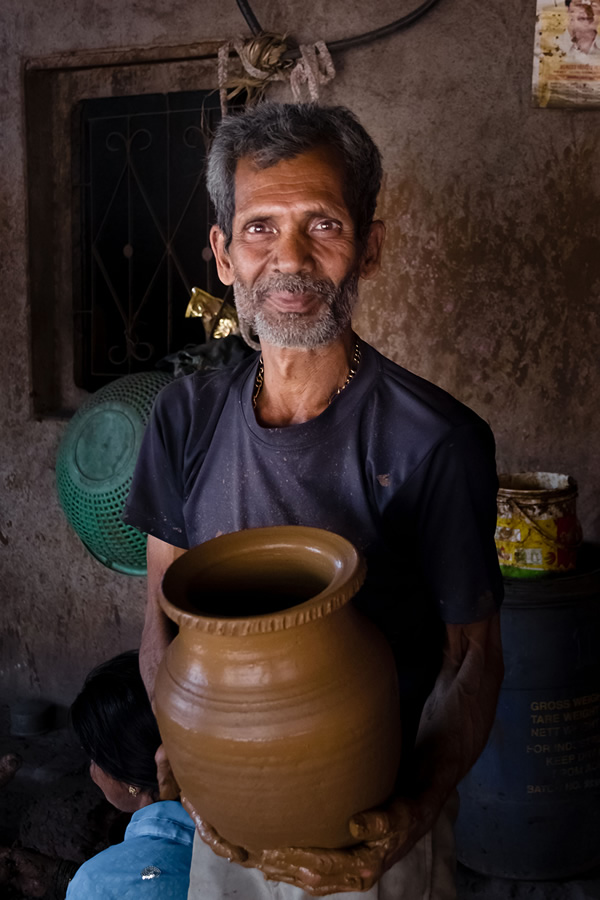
145,218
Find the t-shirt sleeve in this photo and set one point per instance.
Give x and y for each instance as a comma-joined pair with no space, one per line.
155,501
456,508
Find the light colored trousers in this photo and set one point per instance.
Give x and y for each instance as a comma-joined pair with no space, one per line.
426,873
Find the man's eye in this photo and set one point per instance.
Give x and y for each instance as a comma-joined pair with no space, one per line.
257,228
327,225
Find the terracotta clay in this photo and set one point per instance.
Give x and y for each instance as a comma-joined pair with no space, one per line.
278,700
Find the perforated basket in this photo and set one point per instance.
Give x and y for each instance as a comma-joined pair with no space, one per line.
95,464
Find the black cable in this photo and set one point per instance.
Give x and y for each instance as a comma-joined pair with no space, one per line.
251,20
255,27
345,43
385,30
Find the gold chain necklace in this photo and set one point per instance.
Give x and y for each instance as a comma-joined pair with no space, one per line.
260,376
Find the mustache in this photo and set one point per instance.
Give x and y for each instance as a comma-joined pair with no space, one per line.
295,284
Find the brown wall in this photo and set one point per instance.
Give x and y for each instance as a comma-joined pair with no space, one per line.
490,285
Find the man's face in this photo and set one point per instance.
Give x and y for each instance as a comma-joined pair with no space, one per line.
581,21
293,259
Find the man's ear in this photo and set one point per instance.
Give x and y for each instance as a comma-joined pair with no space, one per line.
371,258
222,258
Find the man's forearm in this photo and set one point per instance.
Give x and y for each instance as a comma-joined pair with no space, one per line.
158,631
459,713
156,637
454,728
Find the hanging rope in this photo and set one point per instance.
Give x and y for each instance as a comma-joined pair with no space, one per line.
314,68
269,57
263,61
266,59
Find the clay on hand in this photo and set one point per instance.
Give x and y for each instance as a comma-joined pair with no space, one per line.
387,834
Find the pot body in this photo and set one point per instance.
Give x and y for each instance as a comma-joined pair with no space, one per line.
278,726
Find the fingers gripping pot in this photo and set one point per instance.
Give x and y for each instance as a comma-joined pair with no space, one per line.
277,701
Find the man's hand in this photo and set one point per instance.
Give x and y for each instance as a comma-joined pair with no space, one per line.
386,835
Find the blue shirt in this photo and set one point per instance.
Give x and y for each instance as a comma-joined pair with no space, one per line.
152,861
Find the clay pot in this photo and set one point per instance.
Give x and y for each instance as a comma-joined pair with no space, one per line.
277,701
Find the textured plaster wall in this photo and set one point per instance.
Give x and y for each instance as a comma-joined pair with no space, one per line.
490,284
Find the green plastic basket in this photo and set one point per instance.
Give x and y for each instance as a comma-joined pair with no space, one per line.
94,468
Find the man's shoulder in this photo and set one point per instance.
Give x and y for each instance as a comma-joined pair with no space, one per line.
420,403
200,391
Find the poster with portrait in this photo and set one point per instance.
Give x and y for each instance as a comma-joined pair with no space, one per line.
566,70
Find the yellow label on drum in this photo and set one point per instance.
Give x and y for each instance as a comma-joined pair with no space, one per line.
537,529
534,545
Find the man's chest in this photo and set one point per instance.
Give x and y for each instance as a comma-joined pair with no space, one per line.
244,483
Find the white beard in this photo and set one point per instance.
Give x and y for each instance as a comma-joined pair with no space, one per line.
293,329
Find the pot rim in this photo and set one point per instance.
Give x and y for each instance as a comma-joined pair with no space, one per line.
522,485
347,571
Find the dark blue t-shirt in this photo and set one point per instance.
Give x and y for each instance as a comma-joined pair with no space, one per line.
394,464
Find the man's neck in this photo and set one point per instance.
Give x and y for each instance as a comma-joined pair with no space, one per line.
300,384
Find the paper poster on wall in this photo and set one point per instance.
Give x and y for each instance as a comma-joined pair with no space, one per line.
566,69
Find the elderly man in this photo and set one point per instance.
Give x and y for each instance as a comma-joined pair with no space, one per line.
319,429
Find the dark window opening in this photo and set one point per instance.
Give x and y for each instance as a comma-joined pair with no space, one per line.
144,220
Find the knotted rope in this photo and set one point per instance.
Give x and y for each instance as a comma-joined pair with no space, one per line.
314,68
264,60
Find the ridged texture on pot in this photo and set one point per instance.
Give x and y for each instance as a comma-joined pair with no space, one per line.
278,727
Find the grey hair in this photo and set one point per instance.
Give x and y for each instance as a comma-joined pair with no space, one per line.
271,132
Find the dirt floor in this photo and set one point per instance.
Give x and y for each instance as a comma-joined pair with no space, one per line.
51,806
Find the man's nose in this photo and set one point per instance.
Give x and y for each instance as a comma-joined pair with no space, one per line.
293,253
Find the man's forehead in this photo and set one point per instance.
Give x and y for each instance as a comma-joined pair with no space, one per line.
317,170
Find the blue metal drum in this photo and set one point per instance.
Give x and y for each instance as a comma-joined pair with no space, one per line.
530,807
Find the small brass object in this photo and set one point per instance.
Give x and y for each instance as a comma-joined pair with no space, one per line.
219,317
